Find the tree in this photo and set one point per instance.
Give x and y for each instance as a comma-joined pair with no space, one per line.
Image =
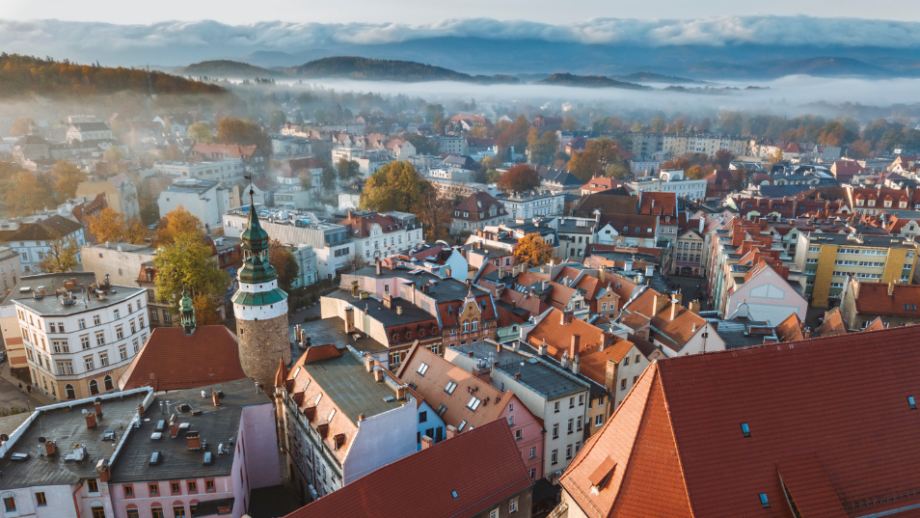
395,187
597,155
542,147
179,221
513,134
435,211
858,150
114,154
533,250
723,158
348,168
328,178
285,264
519,178
29,194
423,145
61,256
107,226
22,127
569,124
185,264
66,179
206,310
694,172
246,133
137,232
276,119
200,132
355,263
777,156
173,153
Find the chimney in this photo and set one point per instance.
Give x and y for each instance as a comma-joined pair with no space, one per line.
517,375
215,399
565,360
654,305
377,264
576,364
562,318
891,289
542,351
140,411
573,348
361,417
695,307
498,347
401,392
354,288
349,320
351,214
427,442
627,266
193,439
387,301
368,363
451,431
448,272
173,427
97,405
610,375
399,310
90,419
50,448
102,467
378,375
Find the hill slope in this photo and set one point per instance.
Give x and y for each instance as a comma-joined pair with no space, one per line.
352,67
566,79
225,68
21,75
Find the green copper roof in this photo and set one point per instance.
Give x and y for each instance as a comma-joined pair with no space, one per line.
259,299
256,268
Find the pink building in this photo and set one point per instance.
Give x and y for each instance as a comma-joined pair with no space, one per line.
765,294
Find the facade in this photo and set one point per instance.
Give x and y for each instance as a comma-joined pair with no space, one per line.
671,181
207,200
766,295
826,260
477,211
893,304
482,468
230,170
32,240
10,266
528,205
260,308
84,131
576,235
120,193
343,418
378,235
688,254
79,334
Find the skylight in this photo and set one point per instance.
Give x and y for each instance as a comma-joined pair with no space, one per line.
912,402
453,494
462,425
318,397
474,403
422,369
745,430
331,415
764,501
450,387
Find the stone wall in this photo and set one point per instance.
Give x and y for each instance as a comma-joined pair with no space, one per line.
262,342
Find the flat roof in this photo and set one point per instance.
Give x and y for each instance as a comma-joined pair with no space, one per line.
884,241
215,425
387,316
332,331
51,304
346,380
537,375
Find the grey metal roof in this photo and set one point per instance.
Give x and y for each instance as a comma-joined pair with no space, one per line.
215,425
345,380
379,312
332,331
51,305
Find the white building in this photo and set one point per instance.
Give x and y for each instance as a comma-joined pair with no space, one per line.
82,131
230,170
33,240
207,200
528,205
79,335
377,235
670,181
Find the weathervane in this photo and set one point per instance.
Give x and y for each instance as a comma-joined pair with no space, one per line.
251,191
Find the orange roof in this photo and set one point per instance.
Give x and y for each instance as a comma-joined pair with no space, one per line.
680,329
560,296
790,329
593,362
834,324
876,325
558,336
873,299
482,467
679,450
170,360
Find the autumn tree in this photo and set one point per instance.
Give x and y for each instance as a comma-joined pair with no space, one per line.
136,233
776,157
61,256
542,147
200,132
114,154
22,127
246,133
107,226
858,150
347,168
395,187
596,157
435,212
513,134
355,263
67,176
519,178
569,124
285,264
179,221
207,309
29,193
723,158
533,250
184,264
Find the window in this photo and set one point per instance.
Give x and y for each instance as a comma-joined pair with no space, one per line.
93,387
638,358
578,423
96,320
119,332
167,317
556,407
84,342
154,490
422,369
571,425
626,361
9,504
441,409
493,513
461,426
912,402
179,511
209,486
745,430
518,434
52,327
104,359
764,501
116,313
554,457
572,402
598,420
623,384
133,513
581,400
556,431
450,387
123,352
60,346
100,338
133,328
568,452
135,344
65,368
154,316
513,505
474,403
40,499
175,488
423,417
129,490
192,486
92,486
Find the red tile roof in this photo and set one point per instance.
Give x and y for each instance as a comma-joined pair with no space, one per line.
483,467
834,324
558,336
873,299
360,226
658,203
679,449
170,360
477,207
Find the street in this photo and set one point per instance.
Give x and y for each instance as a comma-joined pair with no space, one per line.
692,288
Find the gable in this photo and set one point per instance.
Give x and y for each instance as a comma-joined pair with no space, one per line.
768,291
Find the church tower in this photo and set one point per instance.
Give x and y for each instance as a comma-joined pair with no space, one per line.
260,308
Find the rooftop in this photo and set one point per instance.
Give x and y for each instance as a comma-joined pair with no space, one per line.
332,331
862,241
83,301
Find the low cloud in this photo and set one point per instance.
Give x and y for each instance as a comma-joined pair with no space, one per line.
183,42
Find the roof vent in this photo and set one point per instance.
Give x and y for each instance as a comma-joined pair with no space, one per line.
19,457
155,458
155,436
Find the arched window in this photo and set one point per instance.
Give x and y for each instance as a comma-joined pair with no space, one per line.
475,325
421,333
107,382
93,387
466,327
69,391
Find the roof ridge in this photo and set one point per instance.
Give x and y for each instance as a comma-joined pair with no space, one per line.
667,408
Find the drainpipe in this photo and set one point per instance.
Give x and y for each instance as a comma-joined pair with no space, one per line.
76,505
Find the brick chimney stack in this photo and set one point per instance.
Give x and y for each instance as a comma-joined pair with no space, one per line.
427,442
97,406
90,419
574,346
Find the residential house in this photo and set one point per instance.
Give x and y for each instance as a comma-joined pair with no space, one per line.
84,131
207,200
672,328
477,211
120,192
766,293
893,304
378,235
672,181
254,159
32,241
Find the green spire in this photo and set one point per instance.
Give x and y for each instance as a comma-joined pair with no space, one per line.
256,268
188,313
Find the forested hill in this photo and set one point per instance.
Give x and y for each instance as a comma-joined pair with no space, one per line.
352,67
225,68
565,79
23,75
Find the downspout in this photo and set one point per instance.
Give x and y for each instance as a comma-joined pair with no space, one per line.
76,505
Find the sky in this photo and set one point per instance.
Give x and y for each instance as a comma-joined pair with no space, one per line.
429,11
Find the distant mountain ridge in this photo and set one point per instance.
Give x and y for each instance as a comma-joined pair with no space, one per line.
225,68
367,69
566,79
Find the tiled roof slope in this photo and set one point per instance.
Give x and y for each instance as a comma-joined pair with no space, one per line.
482,466
841,448
170,360
873,299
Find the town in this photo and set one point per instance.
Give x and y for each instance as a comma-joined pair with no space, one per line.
647,316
